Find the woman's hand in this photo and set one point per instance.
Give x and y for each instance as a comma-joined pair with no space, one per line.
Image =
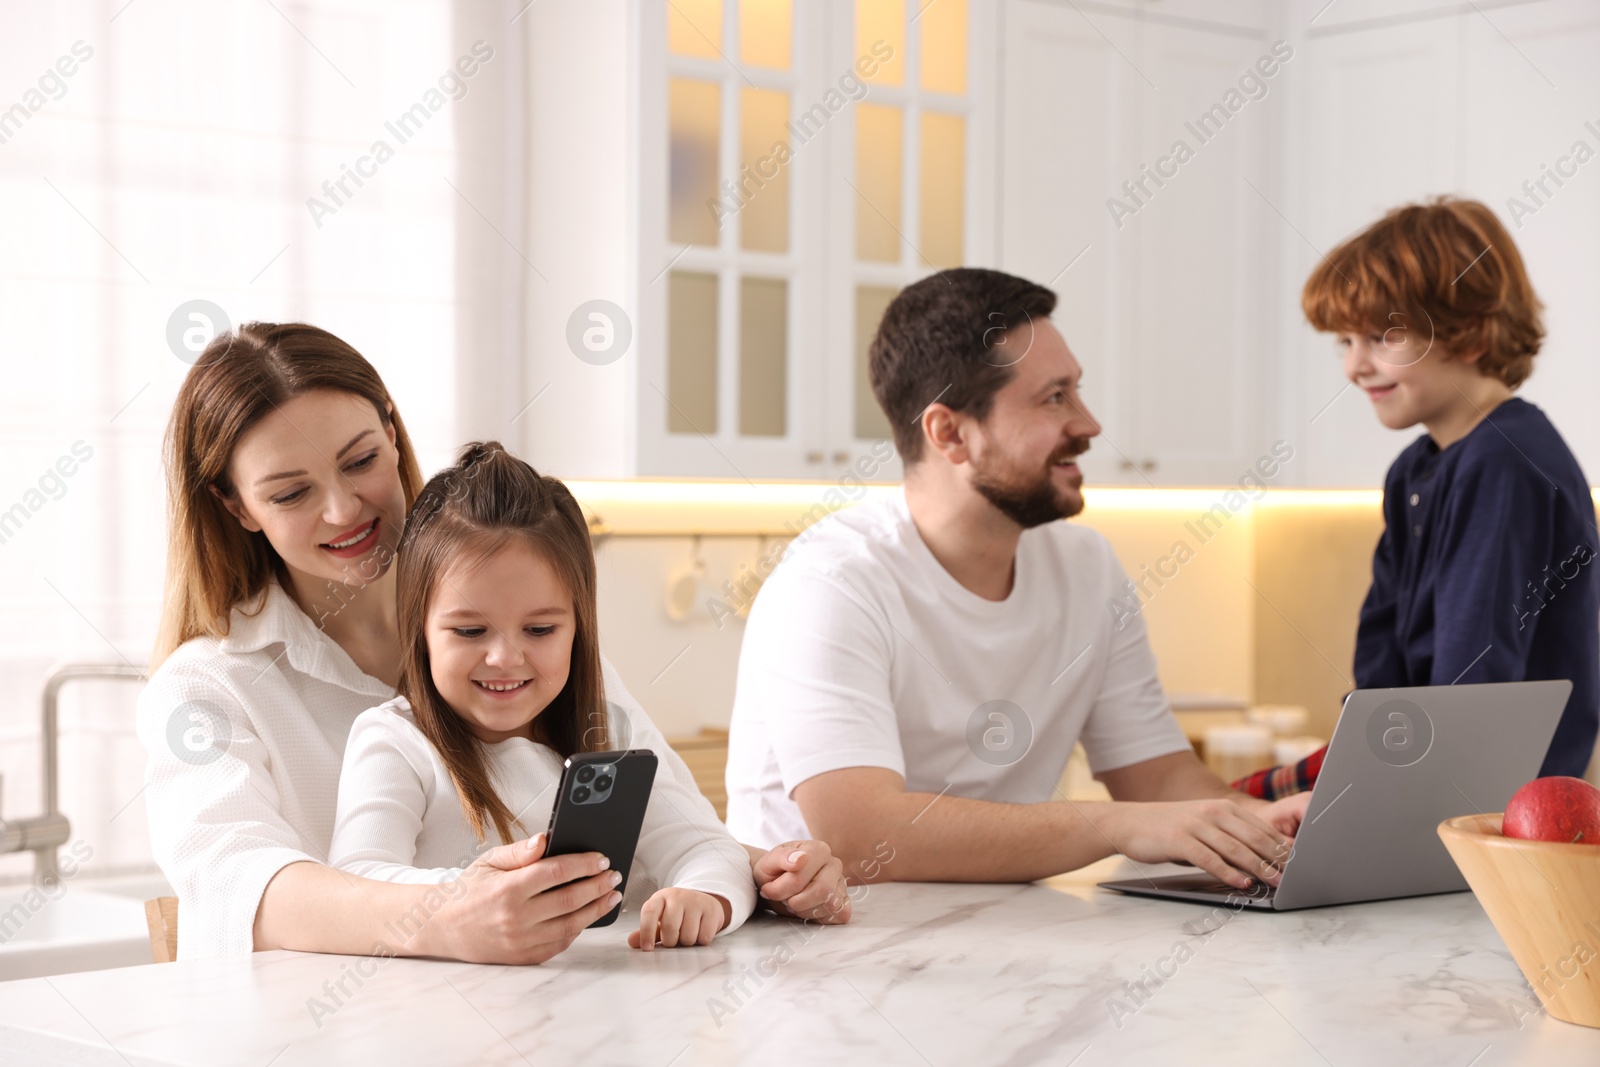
802,879
679,917
515,906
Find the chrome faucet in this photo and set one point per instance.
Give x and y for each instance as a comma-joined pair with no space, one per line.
43,834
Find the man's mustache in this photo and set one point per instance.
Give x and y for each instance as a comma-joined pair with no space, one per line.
1076,448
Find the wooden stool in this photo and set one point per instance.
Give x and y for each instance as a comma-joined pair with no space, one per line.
161,916
706,755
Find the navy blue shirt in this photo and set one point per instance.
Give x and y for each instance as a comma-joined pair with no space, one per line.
1486,572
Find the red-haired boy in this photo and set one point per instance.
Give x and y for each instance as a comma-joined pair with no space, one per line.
1484,572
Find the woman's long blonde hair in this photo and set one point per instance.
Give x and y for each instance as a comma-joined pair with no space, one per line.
213,563
468,512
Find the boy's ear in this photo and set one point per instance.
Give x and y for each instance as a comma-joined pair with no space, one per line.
1471,356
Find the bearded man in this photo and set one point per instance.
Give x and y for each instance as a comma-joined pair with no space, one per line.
915,673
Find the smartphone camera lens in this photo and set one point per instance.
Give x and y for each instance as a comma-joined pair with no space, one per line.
581,794
602,783
585,774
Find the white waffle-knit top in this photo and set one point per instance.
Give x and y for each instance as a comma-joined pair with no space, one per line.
400,817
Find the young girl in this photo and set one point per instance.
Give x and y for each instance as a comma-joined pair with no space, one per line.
501,680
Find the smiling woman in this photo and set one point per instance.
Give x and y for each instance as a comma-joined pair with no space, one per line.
238,408
287,466
340,502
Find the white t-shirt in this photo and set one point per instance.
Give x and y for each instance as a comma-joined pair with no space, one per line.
400,816
862,651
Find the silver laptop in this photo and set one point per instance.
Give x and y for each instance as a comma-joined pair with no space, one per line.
1400,763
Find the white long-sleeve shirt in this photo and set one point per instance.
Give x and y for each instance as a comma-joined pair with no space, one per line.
400,817
246,736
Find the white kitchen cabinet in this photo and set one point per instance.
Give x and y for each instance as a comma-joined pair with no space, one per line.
1196,333
946,193
727,376
1375,125
1531,95
1184,309
744,359
1059,160
1187,316
1160,283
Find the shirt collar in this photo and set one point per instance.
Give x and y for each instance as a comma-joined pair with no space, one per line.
273,618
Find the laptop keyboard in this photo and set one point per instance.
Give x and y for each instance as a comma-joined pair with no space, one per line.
1259,890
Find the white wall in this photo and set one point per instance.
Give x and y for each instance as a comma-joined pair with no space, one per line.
177,163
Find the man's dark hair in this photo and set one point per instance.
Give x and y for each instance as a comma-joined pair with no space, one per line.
936,342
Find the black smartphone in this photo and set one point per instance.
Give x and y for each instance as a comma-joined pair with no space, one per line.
601,809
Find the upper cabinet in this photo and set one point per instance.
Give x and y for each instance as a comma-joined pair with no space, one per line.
1530,148
1376,126
791,167
1177,203
1136,183
715,231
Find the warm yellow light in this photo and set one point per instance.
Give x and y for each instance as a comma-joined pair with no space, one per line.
881,23
1203,499
694,28
1322,498
691,494
672,508
664,508
944,46
765,32
1096,498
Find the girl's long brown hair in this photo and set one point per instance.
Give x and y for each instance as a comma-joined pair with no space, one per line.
466,513
213,563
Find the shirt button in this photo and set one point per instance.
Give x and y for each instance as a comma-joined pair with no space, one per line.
1416,498
1417,530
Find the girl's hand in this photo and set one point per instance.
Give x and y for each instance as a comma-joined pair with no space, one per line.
679,917
804,880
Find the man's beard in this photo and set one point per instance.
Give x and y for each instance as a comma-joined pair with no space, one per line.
1030,502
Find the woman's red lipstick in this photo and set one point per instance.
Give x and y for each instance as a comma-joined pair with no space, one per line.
365,538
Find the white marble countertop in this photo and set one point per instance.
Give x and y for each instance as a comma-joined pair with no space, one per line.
926,976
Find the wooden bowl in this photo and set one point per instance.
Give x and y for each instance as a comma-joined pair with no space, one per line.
1544,900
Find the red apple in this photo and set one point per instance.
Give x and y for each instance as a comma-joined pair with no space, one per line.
1554,809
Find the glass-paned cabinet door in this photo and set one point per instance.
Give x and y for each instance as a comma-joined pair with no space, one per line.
692,352
814,158
694,110
907,186
869,422
733,241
